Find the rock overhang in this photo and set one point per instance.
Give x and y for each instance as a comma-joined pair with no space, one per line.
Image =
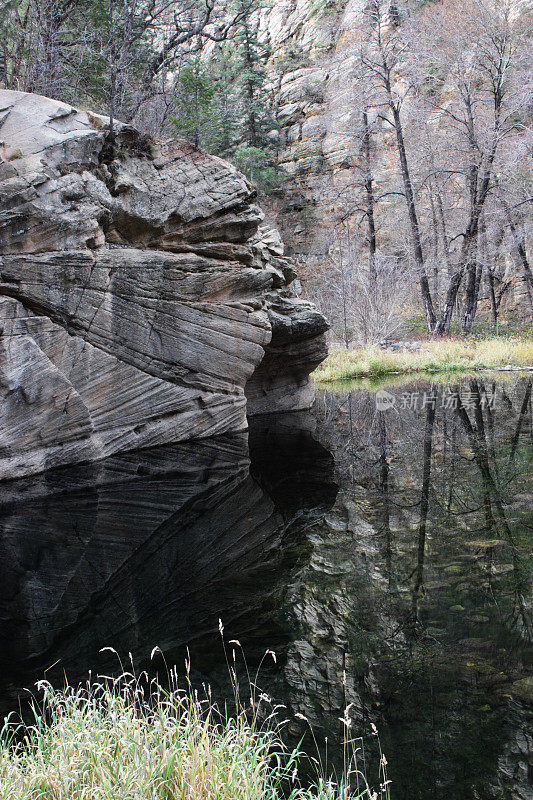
139,293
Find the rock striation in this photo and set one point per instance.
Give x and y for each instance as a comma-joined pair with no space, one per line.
139,293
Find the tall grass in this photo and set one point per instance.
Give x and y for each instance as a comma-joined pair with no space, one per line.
446,355
131,739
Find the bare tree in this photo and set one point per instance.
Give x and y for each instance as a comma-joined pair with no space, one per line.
473,54
112,52
363,308
381,55
446,81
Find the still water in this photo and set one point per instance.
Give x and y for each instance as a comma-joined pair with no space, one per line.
380,544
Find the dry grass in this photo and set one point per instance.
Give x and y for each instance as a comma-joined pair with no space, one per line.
393,380
116,740
446,355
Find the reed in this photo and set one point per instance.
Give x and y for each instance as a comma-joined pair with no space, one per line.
128,738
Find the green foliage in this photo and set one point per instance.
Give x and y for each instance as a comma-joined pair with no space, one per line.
258,166
323,7
194,103
97,54
294,57
67,50
250,54
222,106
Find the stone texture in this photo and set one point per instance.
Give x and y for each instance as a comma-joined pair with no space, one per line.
297,342
138,292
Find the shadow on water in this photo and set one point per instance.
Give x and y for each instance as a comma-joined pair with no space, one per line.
381,545
435,598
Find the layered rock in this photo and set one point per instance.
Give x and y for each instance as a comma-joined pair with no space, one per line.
297,345
136,297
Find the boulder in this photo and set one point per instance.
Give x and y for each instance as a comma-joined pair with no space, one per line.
137,298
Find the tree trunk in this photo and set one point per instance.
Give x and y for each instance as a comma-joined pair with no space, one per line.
250,89
493,304
522,255
467,260
50,23
369,192
344,304
435,237
479,189
472,289
431,318
443,325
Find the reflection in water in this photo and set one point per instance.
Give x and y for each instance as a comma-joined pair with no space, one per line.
422,578
407,593
146,548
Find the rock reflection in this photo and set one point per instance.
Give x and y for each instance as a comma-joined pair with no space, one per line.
405,594
147,548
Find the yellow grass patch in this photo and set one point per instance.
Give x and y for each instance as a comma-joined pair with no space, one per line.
118,741
444,355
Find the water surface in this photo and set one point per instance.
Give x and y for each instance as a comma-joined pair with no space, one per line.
381,545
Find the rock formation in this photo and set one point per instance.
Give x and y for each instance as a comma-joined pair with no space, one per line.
137,299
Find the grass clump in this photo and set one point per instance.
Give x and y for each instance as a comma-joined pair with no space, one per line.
127,739
440,355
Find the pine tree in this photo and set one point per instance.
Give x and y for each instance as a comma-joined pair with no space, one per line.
194,102
222,103
254,128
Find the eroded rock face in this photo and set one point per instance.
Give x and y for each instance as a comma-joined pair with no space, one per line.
137,296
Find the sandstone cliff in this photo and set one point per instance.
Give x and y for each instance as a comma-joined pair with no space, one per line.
314,69
137,297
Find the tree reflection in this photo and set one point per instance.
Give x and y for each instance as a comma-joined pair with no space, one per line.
424,502
432,530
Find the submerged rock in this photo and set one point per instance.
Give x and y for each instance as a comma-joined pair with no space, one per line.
137,299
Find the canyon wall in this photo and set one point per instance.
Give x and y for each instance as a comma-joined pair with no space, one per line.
315,87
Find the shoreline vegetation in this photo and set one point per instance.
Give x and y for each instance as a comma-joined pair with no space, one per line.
129,738
435,356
